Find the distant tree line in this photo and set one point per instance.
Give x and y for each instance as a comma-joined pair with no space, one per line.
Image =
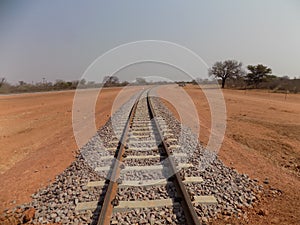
23,86
230,73
108,81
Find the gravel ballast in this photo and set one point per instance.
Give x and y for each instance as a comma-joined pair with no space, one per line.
56,203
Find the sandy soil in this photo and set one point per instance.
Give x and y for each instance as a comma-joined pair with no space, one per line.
33,129
262,140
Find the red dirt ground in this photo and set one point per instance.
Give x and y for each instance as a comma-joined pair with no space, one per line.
33,129
262,140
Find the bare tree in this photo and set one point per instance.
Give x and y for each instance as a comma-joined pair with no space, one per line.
226,69
2,81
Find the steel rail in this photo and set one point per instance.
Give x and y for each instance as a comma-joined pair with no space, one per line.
189,211
107,206
108,203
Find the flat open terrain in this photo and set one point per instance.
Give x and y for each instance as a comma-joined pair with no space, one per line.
36,139
262,140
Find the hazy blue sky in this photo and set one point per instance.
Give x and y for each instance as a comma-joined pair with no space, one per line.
58,39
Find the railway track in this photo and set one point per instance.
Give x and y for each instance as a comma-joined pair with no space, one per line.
143,176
